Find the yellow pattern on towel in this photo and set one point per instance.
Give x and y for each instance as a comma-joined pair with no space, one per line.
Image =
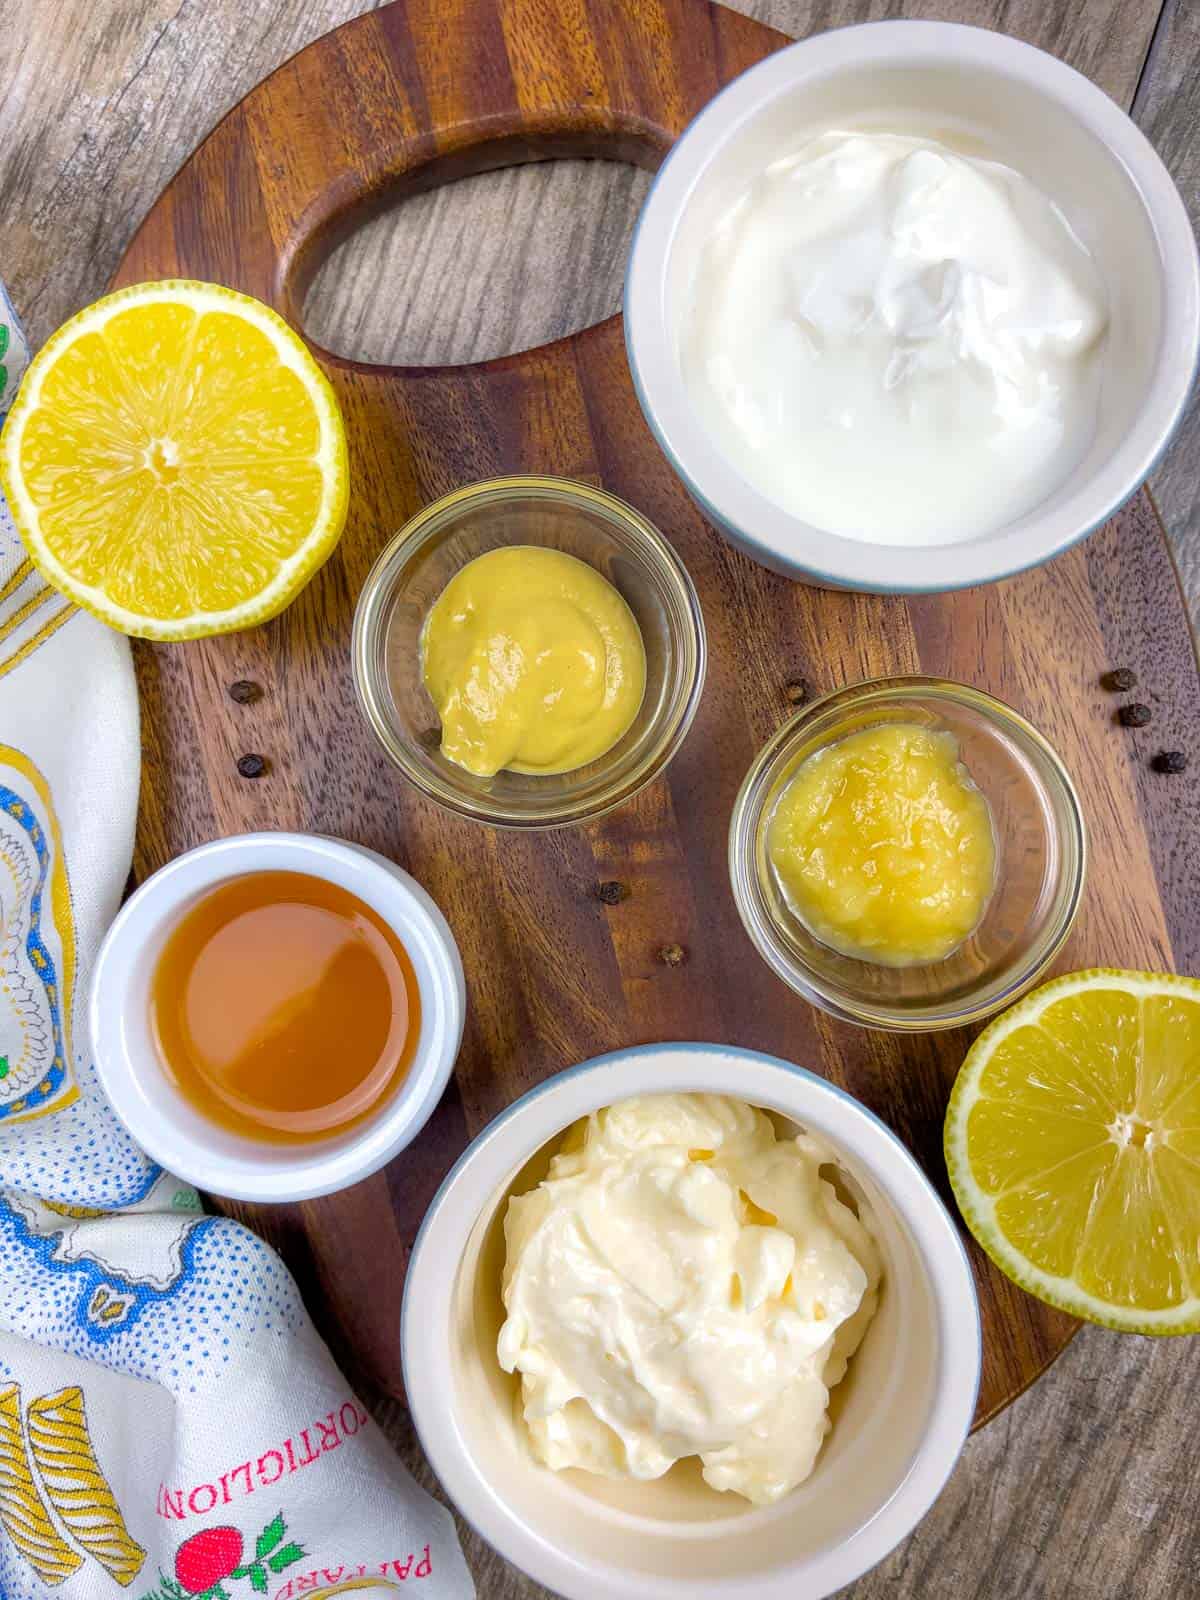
78,1490
23,1512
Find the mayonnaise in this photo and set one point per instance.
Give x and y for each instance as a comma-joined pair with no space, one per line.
683,1283
896,342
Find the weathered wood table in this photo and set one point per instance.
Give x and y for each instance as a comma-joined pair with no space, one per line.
1083,1487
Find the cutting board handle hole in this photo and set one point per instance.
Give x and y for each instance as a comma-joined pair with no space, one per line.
432,280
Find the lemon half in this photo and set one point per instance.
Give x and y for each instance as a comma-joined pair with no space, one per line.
175,461
1073,1145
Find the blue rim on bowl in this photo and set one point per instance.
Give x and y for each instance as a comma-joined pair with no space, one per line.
519,1507
746,516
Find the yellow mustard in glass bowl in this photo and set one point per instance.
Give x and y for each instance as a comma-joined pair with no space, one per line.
534,662
883,844
604,534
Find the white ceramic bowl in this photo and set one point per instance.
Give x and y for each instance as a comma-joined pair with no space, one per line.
900,1416
1013,103
166,1126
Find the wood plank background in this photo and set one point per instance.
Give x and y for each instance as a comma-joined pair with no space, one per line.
1082,1489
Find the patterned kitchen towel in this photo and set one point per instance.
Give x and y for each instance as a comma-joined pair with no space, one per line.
14,352
170,1423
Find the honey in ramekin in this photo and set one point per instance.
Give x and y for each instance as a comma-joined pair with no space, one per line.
284,1008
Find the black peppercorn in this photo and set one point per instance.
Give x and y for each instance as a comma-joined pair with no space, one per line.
1120,680
1134,716
612,892
251,766
244,693
1170,761
672,955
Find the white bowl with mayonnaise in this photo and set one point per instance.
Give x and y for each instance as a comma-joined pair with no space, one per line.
912,306
649,1324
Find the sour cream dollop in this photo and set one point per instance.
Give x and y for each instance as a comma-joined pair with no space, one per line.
684,1283
896,342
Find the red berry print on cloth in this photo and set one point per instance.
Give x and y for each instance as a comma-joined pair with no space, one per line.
207,1558
209,1564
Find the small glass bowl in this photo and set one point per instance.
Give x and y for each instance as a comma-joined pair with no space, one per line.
1041,858
584,522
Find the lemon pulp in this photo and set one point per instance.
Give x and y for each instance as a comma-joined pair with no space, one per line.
1073,1145
175,461
883,846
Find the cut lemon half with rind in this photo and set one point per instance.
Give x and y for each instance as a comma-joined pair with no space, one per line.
1073,1146
175,461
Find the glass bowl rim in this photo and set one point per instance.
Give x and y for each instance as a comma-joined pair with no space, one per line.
748,809
379,588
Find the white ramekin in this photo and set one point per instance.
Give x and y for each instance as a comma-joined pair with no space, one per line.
901,1415
166,1126
1014,103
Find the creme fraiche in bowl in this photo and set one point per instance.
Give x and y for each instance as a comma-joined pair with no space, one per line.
607,1441
912,306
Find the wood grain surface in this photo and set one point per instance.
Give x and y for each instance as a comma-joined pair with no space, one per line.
1083,1489
395,102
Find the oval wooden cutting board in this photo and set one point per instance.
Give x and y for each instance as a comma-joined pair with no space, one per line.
411,96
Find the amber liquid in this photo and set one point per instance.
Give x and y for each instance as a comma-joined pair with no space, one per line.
284,1008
